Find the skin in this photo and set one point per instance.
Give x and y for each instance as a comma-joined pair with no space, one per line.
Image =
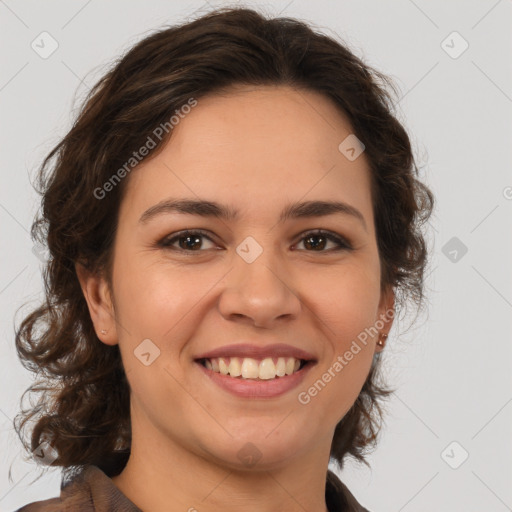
255,149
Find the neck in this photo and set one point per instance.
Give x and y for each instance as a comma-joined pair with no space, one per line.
163,475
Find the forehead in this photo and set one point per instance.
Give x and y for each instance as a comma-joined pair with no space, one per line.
253,146
274,121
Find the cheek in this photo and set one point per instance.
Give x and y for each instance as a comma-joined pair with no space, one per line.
341,384
152,298
346,299
153,301
346,304
164,305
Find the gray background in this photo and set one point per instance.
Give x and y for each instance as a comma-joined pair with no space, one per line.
452,370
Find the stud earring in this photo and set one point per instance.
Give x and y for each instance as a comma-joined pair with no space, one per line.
382,340
103,331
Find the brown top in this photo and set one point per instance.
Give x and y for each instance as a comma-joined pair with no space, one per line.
93,491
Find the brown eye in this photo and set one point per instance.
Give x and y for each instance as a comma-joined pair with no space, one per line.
186,240
316,241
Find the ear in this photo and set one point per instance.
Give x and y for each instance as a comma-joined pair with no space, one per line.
101,308
386,314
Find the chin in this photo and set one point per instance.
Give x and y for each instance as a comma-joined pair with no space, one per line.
257,451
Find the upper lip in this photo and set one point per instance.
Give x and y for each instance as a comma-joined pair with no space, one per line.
257,351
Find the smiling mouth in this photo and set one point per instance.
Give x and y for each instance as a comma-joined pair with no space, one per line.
254,369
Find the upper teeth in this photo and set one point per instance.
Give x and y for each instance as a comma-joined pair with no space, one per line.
250,368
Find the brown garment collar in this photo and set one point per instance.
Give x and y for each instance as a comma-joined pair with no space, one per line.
91,490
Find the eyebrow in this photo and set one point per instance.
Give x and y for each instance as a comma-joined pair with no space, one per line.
205,208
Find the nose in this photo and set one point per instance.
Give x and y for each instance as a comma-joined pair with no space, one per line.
260,293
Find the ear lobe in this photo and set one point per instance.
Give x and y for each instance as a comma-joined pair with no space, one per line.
97,295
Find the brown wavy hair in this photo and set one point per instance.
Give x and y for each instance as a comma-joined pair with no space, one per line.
83,397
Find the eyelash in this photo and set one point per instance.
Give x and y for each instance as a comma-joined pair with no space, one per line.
343,243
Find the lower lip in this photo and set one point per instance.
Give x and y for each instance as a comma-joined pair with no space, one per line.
251,388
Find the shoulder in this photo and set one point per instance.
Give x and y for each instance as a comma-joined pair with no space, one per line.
339,498
41,506
72,502
87,491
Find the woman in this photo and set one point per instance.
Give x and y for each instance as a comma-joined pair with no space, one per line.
233,222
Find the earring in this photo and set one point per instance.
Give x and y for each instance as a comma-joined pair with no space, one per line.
103,331
382,340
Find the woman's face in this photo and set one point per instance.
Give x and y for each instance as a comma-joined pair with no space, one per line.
257,279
